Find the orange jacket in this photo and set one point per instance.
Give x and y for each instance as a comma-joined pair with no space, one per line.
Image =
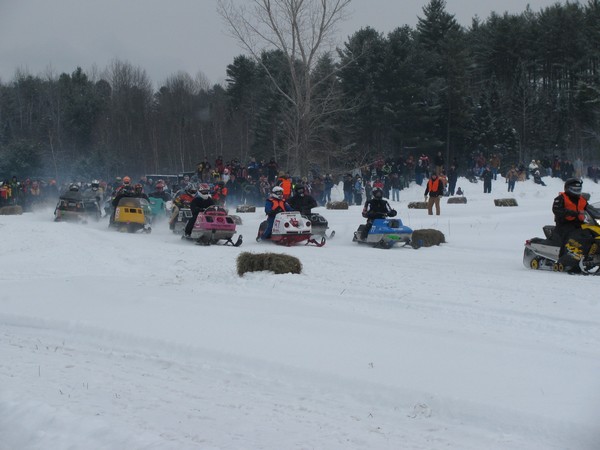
286,184
579,207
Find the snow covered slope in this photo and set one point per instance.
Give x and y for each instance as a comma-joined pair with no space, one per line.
118,341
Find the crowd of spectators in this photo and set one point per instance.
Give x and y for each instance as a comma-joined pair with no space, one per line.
236,183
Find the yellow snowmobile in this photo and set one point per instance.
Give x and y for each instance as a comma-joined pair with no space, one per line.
132,214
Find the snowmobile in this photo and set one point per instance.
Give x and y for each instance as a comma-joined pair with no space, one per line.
158,208
290,228
319,225
385,233
214,225
582,251
132,214
74,207
185,214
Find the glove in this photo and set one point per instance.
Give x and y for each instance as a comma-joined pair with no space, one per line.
365,215
393,213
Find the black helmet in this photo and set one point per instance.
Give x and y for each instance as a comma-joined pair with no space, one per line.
74,187
191,189
299,189
377,192
573,186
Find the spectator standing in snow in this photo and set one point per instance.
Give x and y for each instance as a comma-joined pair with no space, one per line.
348,188
327,186
511,178
452,179
358,190
487,177
435,190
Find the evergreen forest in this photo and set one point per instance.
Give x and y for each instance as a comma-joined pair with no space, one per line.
521,86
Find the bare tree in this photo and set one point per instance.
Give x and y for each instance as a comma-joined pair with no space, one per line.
303,30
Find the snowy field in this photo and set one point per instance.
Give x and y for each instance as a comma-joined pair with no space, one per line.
119,341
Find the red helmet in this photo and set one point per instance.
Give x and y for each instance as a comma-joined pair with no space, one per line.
159,186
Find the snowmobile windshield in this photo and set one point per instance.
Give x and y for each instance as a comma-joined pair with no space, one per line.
593,213
133,202
74,196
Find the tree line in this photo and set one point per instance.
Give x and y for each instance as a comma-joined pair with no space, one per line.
519,86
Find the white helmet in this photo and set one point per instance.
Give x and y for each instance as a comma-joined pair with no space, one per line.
204,191
277,192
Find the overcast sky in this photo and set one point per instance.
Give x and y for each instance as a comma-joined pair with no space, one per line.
167,36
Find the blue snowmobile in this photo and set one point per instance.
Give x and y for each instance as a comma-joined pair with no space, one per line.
384,233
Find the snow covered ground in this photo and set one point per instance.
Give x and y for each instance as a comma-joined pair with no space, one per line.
119,341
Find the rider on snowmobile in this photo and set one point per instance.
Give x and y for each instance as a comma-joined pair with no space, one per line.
159,191
376,208
301,201
138,191
569,212
273,206
183,199
199,204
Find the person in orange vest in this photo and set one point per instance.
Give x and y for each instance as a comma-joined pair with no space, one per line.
569,214
285,182
435,190
273,206
219,194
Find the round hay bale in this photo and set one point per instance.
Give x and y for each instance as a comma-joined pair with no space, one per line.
245,209
337,205
13,210
427,237
506,202
417,205
461,200
277,263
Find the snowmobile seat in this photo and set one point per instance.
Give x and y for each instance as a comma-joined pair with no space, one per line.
548,242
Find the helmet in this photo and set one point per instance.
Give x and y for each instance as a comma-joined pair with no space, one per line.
95,184
138,188
159,186
73,187
204,191
377,192
191,189
299,189
126,180
277,192
573,186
